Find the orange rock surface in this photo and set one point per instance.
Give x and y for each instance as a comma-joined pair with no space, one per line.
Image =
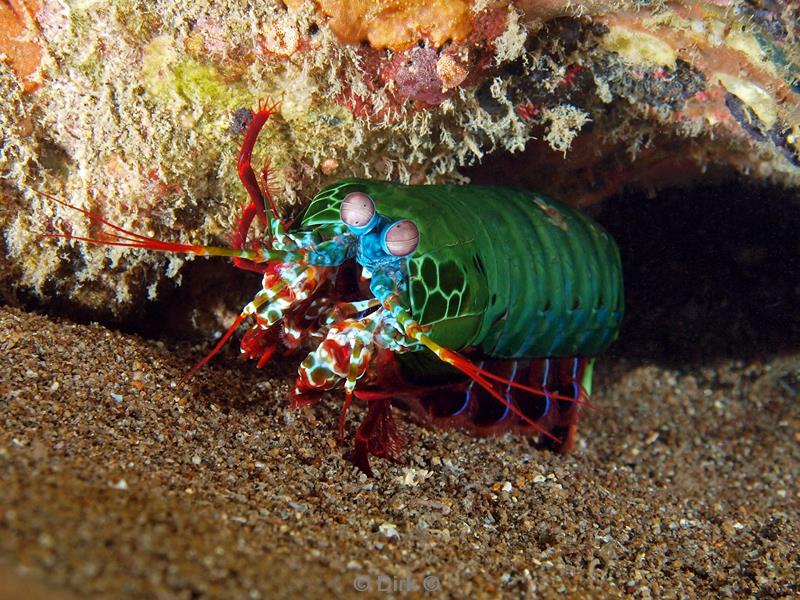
17,40
396,24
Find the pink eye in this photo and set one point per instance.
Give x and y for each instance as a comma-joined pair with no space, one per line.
357,209
401,239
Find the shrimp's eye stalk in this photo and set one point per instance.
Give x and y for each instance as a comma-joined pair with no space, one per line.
358,212
400,239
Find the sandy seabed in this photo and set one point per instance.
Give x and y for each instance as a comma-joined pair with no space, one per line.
115,481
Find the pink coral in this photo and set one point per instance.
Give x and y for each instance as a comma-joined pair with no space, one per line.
415,76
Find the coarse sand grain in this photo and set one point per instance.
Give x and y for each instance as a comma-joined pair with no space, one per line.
116,481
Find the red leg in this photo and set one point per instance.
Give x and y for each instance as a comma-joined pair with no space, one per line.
260,344
224,340
565,375
377,436
240,235
250,183
240,238
246,173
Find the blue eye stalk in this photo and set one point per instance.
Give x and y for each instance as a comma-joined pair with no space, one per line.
380,240
364,229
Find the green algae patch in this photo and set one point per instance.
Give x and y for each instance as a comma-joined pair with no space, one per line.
174,78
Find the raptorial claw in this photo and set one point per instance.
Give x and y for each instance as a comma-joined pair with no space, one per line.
344,354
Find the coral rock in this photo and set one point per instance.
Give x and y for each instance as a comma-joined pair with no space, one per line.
18,40
397,24
133,115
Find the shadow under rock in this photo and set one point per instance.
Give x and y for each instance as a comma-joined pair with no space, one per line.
710,272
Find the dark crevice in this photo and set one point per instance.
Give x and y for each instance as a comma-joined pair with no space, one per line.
709,272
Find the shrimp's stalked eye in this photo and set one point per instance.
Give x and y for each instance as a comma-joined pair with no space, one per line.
400,239
358,212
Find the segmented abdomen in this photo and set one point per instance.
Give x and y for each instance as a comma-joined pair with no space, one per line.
515,274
